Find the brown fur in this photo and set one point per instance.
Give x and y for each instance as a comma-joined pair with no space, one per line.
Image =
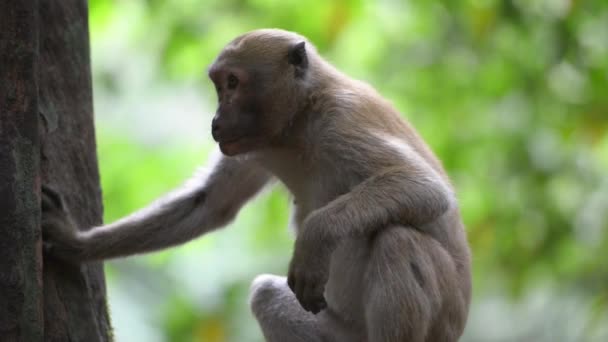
381,252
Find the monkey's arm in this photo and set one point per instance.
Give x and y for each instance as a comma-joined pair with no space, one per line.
407,195
410,194
211,201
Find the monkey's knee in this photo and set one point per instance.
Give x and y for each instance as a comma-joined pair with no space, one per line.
265,290
425,295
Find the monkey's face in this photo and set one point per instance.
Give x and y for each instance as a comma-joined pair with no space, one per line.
236,125
258,84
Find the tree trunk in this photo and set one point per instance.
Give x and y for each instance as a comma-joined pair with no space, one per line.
20,258
47,135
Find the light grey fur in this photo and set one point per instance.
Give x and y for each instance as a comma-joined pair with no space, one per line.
379,233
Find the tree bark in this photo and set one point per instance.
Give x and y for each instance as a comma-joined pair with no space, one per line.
47,135
20,258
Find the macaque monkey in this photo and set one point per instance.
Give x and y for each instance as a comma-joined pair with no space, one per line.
381,253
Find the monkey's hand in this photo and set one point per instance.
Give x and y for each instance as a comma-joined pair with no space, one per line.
309,267
61,237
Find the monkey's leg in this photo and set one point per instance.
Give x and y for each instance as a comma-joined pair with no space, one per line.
278,312
413,293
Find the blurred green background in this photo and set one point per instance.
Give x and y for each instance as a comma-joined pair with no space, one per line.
512,96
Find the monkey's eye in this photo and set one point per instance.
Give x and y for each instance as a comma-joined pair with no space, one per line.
232,81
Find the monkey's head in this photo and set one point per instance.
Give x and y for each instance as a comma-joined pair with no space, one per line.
260,79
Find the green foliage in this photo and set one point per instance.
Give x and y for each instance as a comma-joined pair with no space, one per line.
512,95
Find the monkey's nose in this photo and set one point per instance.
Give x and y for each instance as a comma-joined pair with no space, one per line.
215,126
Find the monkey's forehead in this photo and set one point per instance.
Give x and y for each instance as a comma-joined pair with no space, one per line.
268,37
246,58
258,48
225,62
263,43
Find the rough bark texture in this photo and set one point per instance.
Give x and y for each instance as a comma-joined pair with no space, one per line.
20,258
74,296
47,133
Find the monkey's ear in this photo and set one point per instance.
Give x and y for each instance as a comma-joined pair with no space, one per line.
298,58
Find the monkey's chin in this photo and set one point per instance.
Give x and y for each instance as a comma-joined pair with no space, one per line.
231,148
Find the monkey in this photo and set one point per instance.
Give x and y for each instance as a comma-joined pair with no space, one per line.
380,253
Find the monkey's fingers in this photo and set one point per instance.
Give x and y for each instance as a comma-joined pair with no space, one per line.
50,199
300,288
47,247
291,282
313,298
49,223
307,299
318,306
59,251
319,303
315,305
